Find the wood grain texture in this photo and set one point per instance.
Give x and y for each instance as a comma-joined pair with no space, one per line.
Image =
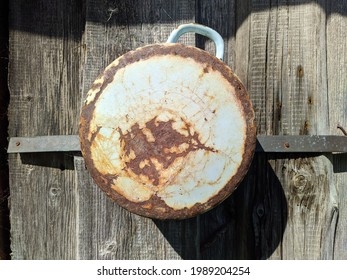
114,28
4,100
291,55
45,99
336,29
287,81
110,232
275,46
107,231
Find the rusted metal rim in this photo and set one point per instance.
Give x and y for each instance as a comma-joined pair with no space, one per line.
118,156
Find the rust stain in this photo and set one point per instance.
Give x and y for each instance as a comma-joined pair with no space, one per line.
96,86
304,130
164,148
94,134
309,100
306,125
300,71
147,206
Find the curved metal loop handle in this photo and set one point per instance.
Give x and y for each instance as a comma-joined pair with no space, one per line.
202,30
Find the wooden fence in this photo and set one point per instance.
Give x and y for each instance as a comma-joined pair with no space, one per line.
292,58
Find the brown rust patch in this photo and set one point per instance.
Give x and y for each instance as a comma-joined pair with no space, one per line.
300,71
160,153
96,86
94,134
309,100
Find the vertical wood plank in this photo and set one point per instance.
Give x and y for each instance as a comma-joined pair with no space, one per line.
337,101
250,224
220,229
45,54
105,230
290,55
219,15
215,227
4,100
114,28
308,182
286,76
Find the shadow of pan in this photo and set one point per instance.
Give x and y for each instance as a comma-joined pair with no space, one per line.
59,160
248,225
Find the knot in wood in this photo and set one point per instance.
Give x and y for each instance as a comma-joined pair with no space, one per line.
260,210
54,191
300,181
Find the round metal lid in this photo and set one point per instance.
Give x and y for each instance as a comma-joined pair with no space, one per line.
167,131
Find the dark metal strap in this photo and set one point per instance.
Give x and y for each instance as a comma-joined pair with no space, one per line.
302,144
54,143
267,144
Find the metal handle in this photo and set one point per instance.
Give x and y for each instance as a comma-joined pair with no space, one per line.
202,30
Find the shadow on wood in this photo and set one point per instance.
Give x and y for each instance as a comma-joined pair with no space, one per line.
4,101
130,12
338,160
339,163
248,225
62,161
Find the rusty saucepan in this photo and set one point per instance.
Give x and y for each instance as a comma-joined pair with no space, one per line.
167,130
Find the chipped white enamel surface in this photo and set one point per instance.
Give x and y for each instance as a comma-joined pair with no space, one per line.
173,91
97,85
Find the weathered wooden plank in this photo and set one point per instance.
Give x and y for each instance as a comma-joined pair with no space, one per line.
105,230
218,229
250,224
4,99
289,90
308,182
290,56
285,74
114,28
45,52
219,15
262,204
336,29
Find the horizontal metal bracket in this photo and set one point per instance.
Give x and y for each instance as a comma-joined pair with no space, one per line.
302,144
53,143
265,143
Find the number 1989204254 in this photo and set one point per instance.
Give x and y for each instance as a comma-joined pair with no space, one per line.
205,270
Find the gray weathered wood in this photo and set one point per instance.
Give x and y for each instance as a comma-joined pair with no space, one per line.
113,28
276,62
336,29
287,81
4,99
290,55
45,54
106,231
